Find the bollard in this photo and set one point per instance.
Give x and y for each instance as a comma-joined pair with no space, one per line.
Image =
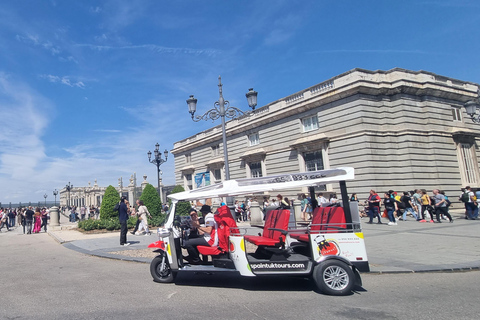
298,210
256,214
54,217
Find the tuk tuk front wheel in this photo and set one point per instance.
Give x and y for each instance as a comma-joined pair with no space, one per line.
334,277
160,269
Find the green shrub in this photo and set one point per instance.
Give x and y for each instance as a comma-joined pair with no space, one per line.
156,221
131,222
110,199
152,201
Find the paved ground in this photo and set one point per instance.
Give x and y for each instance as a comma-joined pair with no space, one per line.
408,247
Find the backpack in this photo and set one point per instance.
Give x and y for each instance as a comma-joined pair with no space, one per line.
117,206
448,203
400,204
465,197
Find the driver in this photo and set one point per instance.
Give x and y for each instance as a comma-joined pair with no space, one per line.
206,235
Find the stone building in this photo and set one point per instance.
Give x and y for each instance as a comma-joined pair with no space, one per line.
93,195
399,129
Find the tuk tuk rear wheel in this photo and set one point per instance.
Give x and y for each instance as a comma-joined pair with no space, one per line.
160,269
334,277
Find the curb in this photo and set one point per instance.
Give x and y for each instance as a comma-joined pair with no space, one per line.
56,238
440,270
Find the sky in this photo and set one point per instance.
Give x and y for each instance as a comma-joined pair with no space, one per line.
87,88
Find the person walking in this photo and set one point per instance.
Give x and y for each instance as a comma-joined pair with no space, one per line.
391,206
425,203
374,207
304,207
4,219
471,204
407,201
441,206
123,218
142,216
29,219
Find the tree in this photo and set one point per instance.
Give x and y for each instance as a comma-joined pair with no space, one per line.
109,200
182,207
152,201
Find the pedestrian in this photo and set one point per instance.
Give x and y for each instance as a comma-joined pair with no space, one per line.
4,219
321,199
391,206
407,201
354,198
123,218
142,216
134,213
238,211
11,218
441,206
37,220
470,200
29,219
304,203
425,203
44,217
22,222
416,200
374,207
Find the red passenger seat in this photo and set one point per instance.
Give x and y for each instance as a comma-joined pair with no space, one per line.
274,230
226,226
324,220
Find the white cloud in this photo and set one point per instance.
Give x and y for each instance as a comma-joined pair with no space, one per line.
63,80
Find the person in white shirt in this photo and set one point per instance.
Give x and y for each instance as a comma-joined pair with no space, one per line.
321,199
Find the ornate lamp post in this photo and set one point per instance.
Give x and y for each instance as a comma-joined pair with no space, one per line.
55,193
69,187
45,196
471,107
222,109
158,161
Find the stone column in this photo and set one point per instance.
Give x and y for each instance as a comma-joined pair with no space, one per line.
298,210
256,214
54,217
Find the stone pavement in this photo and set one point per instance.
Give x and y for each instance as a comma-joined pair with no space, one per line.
408,247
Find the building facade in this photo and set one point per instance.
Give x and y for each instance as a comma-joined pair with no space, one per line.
93,195
399,129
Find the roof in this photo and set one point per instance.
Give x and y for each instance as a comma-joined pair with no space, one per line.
267,184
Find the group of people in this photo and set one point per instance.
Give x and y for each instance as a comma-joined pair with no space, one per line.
307,204
421,206
81,213
31,221
125,211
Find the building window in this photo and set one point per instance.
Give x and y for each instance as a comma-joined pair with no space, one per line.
456,114
188,158
469,163
216,150
313,161
217,174
255,169
254,139
310,123
188,181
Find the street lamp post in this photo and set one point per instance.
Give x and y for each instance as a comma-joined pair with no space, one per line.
45,196
69,187
222,109
55,192
471,108
158,161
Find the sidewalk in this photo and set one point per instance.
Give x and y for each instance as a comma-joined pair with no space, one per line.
408,247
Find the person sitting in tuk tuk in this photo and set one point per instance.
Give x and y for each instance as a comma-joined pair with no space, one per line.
207,235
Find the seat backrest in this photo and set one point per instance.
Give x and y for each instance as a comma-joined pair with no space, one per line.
279,221
226,226
336,220
269,222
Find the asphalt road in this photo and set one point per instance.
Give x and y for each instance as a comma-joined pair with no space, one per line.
44,280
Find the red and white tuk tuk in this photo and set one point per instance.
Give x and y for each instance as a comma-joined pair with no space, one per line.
330,250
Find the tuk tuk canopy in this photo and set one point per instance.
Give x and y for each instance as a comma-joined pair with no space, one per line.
273,183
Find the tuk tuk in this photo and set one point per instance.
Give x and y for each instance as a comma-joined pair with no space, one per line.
330,249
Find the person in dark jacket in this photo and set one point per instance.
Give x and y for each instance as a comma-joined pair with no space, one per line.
123,217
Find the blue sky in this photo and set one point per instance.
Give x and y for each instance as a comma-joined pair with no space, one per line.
88,87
